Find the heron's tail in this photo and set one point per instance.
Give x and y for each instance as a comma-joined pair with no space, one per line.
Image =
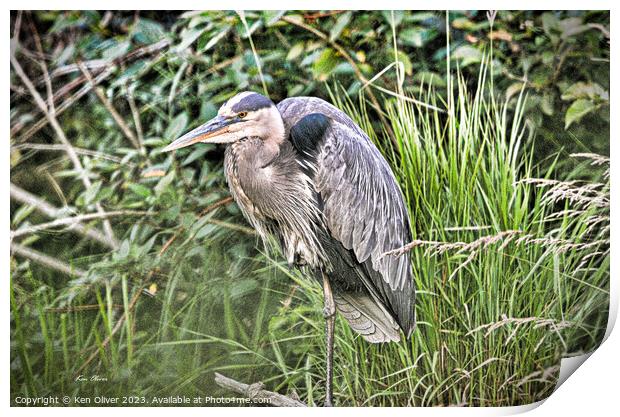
366,317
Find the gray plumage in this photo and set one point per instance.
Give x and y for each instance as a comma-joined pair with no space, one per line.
364,212
306,174
335,206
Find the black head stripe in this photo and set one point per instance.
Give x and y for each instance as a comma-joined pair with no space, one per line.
252,102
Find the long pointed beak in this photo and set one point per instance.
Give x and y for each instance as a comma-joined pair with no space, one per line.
214,127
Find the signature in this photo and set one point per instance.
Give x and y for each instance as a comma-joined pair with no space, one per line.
92,378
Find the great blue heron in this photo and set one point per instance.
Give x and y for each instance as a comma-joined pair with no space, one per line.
304,172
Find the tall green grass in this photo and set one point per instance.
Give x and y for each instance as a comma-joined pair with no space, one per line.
511,266
511,269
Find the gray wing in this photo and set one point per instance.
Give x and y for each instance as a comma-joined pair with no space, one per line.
367,317
362,203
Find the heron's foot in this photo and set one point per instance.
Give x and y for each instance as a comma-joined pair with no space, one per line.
328,403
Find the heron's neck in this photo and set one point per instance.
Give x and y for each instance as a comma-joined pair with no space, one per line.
275,127
268,152
275,138
250,154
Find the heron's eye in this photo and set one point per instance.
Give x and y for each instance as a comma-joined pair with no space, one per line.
242,114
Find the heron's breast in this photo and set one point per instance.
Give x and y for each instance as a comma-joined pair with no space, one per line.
236,171
280,198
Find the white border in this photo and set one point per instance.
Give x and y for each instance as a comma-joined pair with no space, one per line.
592,391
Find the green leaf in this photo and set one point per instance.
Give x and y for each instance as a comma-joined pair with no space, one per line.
295,90
91,193
429,77
551,27
590,90
188,37
146,248
199,224
271,17
205,231
295,51
462,23
343,68
411,36
468,54
393,16
246,33
514,88
115,51
214,40
572,26
71,20
197,153
242,287
164,183
296,18
404,59
140,190
550,22
546,104
105,193
325,64
422,16
417,36
341,23
123,251
176,127
207,110
147,31
132,72
21,213
577,110
310,58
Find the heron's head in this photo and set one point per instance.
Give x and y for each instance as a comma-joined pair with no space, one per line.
245,115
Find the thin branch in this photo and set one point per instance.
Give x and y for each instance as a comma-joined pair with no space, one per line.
110,107
600,27
41,62
66,104
58,147
217,67
135,113
318,15
107,67
74,221
45,260
256,392
86,307
167,245
94,65
100,64
232,226
64,90
23,196
215,205
49,113
18,25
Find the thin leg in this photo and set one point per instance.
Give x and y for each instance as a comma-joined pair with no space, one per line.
329,312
